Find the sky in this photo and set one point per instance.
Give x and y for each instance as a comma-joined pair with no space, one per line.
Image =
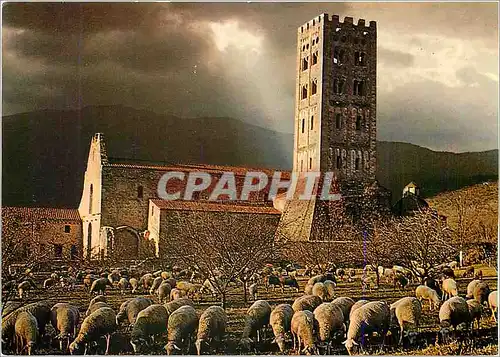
437,65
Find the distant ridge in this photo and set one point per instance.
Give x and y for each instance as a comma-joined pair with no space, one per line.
45,152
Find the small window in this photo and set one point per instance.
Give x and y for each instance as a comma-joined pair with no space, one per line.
74,252
58,250
358,122
304,92
301,165
339,162
338,122
67,228
140,192
315,58
312,122
357,163
314,87
310,163
305,64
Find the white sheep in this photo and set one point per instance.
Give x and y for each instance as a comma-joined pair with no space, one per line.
423,292
357,305
156,284
493,303
302,326
453,312
280,321
406,311
257,318
211,327
330,321
134,283
475,311
26,332
319,290
253,290
99,286
182,324
306,302
449,288
100,323
150,322
123,285
131,308
345,304
330,289
470,288
372,317
65,318
177,303
164,292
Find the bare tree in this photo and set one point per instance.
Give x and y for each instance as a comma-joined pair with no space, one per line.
224,246
422,242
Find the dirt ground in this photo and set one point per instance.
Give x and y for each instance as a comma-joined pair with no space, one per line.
484,341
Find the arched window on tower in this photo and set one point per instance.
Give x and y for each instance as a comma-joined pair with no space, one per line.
314,86
305,63
338,122
312,122
366,161
303,125
304,92
310,163
358,122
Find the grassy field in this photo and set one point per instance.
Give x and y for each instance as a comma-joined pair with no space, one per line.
484,342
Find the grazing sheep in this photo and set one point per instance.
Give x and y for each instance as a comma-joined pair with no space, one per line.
290,282
156,284
96,306
493,303
176,294
175,304
367,282
308,289
470,288
273,281
100,323
253,290
123,285
164,292
373,316
40,310
316,279
280,321
475,311
150,322
134,283
434,285
26,332
87,281
306,302
330,289
423,292
65,318
401,281
23,288
98,298
405,311
146,281
99,286
165,275
211,327
448,272
131,308
453,312
49,283
257,318
319,290
449,288
172,282
181,326
345,304
302,326
330,321
481,292
357,305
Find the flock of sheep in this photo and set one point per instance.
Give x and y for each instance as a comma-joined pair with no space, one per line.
316,321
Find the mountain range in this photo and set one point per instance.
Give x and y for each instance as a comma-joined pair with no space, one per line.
44,153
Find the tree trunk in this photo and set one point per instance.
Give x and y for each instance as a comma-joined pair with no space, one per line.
378,277
245,291
224,300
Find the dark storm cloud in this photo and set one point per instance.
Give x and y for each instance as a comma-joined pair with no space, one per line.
166,57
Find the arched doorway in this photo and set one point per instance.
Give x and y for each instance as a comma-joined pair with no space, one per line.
126,243
89,241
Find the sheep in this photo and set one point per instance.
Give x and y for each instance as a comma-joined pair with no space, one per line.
306,302
470,288
181,325
308,289
449,288
493,303
253,290
481,292
87,281
176,294
373,316
447,272
273,281
453,264
40,310
257,318
478,275
423,292
345,304
316,279
156,284
367,282
150,322
357,305
26,332
164,292
165,275
172,282
453,312
319,290
291,282
330,289
23,288
65,318
131,308
101,322
211,326
401,281
98,298
302,325
208,288
280,321
96,306
330,320
134,284
99,286
407,310
146,281
469,272
434,285
123,285
175,304
475,311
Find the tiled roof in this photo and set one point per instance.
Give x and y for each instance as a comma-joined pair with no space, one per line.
238,170
179,205
37,213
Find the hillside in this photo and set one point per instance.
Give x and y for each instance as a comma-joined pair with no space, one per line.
45,152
